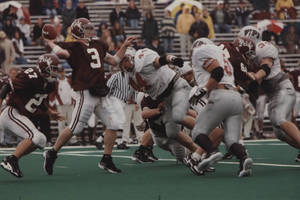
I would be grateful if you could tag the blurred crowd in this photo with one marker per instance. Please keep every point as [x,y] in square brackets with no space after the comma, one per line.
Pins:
[190,23]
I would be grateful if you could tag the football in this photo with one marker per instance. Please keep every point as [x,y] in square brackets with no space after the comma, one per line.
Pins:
[49,32]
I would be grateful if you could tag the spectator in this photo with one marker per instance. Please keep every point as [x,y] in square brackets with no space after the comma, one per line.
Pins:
[285,9]
[49,7]
[59,37]
[155,46]
[221,19]
[207,18]
[117,34]
[37,32]
[229,13]
[132,15]
[9,50]
[292,41]
[68,15]
[194,11]
[102,27]
[19,48]
[117,15]
[9,28]
[185,20]
[36,7]
[11,13]
[146,5]
[179,13]
[82,11]
[25,29]
[261,5]
[150,29]
[168,30]
[199,28]
[242,14]
[63,99]
[140,44]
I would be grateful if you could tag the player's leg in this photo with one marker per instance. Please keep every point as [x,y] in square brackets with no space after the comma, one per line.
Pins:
[144,153]
[231,139]
[137,121]
[84,107]
[111,113]
[128,111]
[13,122]
[179,103]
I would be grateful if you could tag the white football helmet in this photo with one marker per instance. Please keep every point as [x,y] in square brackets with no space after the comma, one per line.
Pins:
[252,33]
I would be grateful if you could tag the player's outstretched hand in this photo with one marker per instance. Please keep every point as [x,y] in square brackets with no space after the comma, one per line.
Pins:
[196,94]
[129,40]
[251,75]
[176,61]
[55,115]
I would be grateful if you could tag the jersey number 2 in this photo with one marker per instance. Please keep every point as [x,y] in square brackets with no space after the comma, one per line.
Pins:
[95,57]
[36,101]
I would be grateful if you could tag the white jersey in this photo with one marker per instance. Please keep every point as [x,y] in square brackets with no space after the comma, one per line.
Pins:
[151,80]
[267,50]
[203,56]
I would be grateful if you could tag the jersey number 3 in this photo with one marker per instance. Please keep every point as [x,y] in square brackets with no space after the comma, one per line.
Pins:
[95,57]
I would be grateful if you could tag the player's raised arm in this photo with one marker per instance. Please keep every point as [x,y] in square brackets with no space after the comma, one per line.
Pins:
[115,60]
[168,59]
[60,52]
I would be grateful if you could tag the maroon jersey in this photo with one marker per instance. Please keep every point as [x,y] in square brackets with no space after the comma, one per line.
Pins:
[295,78]
[86,63]
[29,93]
[240,66]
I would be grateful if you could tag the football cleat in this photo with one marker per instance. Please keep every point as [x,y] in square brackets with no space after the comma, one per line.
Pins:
[298,158]
[122,146]
[228,156]
[192,165]
[49,160]
[150,154]
[210,169]
[245,167]
[141,157]
[207,162]
[10,164]
[107,164]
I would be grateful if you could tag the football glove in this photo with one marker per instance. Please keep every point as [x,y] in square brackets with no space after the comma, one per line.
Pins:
[176,61]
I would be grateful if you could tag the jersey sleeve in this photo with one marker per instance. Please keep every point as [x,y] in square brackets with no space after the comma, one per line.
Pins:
[206,54]
[144,58]
[69,46]
[266,50]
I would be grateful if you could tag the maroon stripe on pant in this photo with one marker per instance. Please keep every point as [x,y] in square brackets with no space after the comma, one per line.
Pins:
[20,123]
[78,111]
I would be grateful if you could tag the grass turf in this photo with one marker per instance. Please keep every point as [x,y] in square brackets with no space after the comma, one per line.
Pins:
[76,176]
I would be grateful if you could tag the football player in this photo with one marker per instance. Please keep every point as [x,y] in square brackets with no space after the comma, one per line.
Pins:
[27,94]
[214,76]
[150,73]
[86,57]
[280,93]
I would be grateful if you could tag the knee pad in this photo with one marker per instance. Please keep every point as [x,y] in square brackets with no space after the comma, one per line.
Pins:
[39,140]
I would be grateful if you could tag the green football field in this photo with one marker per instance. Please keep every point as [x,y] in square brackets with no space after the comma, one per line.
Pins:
[76,176]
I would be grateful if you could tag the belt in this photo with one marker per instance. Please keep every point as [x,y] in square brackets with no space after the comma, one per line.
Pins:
[168,90]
